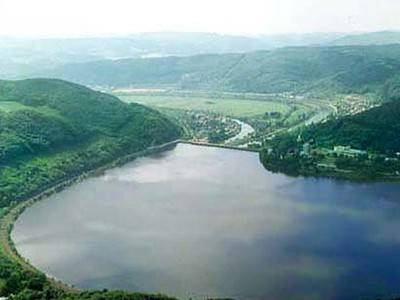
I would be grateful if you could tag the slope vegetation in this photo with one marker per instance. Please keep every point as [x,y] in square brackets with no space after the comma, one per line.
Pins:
[375,130]
[299,69]
[371,137]
[51,130]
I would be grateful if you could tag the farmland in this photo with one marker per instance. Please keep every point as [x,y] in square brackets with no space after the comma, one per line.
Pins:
[266,113]
[226,106]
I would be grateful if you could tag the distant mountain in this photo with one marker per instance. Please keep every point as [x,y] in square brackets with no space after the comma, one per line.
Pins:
[371,38]
[24,58]
[296,69]
[18,56]
[180,43]
[148,44]
[300,40]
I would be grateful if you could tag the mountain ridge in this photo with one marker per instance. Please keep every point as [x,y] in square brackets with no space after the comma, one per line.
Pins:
[294,69]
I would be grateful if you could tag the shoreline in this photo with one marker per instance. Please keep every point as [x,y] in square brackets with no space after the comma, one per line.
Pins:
[13,212]
[350,176]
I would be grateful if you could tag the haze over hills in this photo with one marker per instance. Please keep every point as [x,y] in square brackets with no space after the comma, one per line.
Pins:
[22,57]
[296,69]
[370,38]
[150,44]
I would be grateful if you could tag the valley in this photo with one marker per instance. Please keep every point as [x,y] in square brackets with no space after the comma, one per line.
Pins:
[267,114]
[205,174]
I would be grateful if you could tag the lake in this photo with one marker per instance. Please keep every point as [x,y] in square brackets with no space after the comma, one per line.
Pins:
[206,222]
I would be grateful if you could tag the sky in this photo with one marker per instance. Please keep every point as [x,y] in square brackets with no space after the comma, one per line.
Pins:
[61,18]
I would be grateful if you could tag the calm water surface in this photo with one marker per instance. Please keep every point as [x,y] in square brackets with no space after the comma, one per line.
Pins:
[197,222]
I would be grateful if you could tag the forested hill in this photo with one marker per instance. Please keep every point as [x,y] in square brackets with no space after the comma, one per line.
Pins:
[374,136]
[297,69]
[377,130]
[52,129]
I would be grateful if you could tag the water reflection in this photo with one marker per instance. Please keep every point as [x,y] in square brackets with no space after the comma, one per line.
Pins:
[196,222]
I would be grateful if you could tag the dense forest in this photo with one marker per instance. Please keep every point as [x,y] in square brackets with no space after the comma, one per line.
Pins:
[298,69]
[51,130]
[375,132]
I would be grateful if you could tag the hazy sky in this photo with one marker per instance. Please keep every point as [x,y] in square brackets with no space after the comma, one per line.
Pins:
[99,17]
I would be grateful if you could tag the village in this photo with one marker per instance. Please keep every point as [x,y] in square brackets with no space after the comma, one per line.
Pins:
[331,158]
[210,127]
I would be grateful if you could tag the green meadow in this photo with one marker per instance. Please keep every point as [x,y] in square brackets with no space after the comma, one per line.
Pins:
[10,106]
[225,106]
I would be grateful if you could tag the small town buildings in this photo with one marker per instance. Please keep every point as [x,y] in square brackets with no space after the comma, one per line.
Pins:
[348,151]
[306,151]
[392,159]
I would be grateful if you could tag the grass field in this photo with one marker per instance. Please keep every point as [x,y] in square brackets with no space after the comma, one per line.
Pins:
[9,106]
[225,106]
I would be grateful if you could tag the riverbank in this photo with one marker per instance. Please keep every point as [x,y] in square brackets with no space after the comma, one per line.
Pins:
[11,214]
[245,130]
[8,248]
[157,198]
[298,166]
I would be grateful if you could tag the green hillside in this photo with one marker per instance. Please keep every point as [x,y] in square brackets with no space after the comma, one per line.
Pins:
[372,139]
[298,69]
[375,130]
[52,129]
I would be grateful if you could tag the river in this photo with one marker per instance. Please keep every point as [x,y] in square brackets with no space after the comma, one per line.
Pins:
[245,130]
[207,222]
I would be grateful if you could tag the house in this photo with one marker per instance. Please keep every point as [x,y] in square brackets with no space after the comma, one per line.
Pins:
[306,149]
[348,151]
